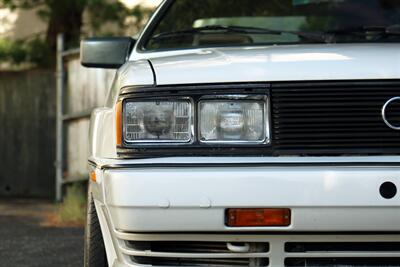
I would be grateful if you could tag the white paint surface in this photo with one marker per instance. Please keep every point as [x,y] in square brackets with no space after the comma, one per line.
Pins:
[276,63]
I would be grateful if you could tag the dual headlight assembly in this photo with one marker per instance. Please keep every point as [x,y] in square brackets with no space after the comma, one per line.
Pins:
[220,120]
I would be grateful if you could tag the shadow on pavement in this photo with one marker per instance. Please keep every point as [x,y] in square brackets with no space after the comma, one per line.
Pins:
[25,242]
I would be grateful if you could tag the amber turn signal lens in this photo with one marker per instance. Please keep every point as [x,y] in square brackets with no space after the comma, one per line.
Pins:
[93,176]
[258,217]
[118,122]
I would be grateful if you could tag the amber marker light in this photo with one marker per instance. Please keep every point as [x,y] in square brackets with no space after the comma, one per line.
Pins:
[258,217]
[93,176]
[118,122]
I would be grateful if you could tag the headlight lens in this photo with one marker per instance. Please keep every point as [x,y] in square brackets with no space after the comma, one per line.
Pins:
[233,121]
[158,121]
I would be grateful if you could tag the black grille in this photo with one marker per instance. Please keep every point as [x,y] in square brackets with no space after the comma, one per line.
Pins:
[346,250]
[335,119]
[326,247]
[340,262]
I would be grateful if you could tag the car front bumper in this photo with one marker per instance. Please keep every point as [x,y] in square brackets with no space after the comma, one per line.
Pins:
[168,200]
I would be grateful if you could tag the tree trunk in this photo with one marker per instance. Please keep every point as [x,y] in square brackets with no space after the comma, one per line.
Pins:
[66,19]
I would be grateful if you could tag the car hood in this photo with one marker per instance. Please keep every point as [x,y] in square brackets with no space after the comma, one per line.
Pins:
[277,63]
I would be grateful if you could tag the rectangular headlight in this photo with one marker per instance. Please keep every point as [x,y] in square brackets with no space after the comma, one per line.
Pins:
[160,121]
[233,121]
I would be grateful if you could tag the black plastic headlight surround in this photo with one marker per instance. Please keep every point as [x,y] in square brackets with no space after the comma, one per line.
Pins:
[182,121]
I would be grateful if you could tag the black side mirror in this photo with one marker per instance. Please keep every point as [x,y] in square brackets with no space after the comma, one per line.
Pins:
[106,53]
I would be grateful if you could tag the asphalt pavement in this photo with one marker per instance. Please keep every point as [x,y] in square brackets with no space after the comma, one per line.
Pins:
[27,241]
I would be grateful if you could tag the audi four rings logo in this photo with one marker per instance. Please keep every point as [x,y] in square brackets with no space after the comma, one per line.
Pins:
[384,117]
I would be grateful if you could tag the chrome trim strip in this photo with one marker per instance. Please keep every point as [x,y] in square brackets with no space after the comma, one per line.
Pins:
[397,128]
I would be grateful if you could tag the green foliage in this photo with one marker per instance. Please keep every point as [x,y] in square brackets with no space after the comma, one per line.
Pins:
[66,16]
[101,11]
[61,10]
[20,3]
[12,51]
[34,51]
[72,209]
[140,14]
[38,52]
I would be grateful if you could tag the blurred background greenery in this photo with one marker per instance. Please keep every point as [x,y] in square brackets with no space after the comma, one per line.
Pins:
[29,28]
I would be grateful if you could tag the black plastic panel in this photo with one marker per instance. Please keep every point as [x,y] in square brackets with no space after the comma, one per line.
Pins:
[107,53]
[334,119]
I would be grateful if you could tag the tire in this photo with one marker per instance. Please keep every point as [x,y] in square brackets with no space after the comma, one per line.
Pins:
[94,249]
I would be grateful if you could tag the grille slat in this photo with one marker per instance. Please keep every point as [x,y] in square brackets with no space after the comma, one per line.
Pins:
[325,115]
[343,125]
[300,93]
[352,254]
[326,119]
[298,247]
[193,262]
[319,119]
[340,262]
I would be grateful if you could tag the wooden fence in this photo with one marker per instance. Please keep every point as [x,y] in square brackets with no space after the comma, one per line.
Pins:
[85,90]
[79,90]
[27,134]
[44,126]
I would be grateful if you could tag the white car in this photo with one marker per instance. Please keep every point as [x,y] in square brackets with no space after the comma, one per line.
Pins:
[249,133]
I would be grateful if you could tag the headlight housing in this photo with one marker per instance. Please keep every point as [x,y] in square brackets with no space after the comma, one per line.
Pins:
[160,121]
[233,121]
[198,121]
